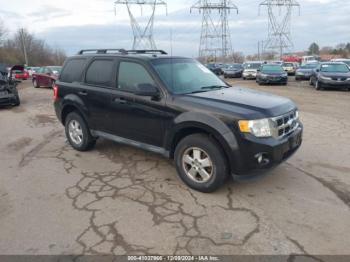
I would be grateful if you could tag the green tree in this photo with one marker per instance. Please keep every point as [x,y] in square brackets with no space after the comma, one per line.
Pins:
[314,49]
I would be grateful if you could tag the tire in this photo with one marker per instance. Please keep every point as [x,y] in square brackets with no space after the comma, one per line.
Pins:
[53,82]
[318,86]
[244,78]
[204,148]
[18,101]
[78,133]
[311,83]
[35,83]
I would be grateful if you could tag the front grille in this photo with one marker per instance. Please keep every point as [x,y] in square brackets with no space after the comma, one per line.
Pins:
[285,124]
[339,78]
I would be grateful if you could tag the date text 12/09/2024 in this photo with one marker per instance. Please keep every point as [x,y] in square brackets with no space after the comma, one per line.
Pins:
[173,258]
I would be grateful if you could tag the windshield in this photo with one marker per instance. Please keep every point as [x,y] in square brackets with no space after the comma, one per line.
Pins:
[185,75]
[272,69]
[288,65]
[309,66]
[55,69]
[335,68]
[252,66]
[234,67]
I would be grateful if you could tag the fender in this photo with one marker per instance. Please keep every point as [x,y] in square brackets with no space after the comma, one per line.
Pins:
[210,124]
[77,102]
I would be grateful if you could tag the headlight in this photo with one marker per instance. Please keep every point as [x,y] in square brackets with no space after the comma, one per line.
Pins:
[258,128]
[285,75]
[325,78]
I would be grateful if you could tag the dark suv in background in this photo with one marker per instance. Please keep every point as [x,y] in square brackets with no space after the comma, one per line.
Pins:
[176,107]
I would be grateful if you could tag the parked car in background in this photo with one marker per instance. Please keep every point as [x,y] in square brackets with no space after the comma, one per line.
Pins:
[31,70]
[8,86]
[215,68]
[290,68]
[305,71]
[234,70]
[310,59]
[251,69]
[342,60]
[46,76]
[176,107]
[271,74]
[20,73]
[331,75]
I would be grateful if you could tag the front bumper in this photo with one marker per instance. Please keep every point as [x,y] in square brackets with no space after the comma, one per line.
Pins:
[233,74]
[249,75]
[273,152]
[9,99]
[280,80]
[334,83]
[299,76]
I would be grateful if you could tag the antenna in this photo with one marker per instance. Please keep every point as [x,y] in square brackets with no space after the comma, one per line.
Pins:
[143,37]
[279,28]
[215,36]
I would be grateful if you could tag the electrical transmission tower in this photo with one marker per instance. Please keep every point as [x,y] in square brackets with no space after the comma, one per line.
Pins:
[143,36]
[279,28]
[215,36]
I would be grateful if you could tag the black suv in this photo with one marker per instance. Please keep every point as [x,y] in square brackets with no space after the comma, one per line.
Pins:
[176,107]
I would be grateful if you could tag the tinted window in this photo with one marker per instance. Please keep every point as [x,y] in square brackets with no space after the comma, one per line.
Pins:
[73,70]
[335,68]
[272,69]
[131,75]
[100,72]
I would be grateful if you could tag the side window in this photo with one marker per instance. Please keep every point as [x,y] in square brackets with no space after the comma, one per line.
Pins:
[73,70]
[131,75]
[41,70]
[100,72]
[47,70]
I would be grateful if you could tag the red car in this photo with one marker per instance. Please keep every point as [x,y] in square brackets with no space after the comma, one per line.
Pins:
[46,76]
[21,75]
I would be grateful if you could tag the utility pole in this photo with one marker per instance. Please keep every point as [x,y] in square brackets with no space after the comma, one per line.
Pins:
[279,27]
[143,37]
[24,46]
[215,35]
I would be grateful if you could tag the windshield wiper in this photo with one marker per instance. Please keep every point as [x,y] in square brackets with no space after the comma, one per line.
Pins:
[208,88]
[213,87]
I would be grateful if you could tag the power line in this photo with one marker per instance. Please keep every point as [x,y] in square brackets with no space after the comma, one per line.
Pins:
[279,28]
[215,38]
[143,37]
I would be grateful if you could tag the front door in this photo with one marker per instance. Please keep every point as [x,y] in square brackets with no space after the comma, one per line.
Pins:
[135,117]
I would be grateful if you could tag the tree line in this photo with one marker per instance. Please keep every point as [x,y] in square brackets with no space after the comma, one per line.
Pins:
[342,50]
[25,47]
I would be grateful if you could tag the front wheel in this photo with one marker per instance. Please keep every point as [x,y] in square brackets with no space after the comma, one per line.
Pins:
[318,85]
[35,83]
[200,163]
[78,133]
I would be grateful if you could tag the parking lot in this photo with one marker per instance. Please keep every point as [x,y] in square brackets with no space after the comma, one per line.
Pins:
[120,200]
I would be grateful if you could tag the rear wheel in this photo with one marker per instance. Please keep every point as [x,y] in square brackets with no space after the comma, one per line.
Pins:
[78,133]
[200,163]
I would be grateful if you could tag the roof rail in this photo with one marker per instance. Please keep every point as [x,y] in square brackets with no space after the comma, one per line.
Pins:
[146,52]
[103,51]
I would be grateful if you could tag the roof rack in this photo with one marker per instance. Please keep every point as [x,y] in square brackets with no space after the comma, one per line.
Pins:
[146,52]
[103,51]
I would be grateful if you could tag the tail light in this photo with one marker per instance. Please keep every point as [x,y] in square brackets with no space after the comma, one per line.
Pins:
[55,93]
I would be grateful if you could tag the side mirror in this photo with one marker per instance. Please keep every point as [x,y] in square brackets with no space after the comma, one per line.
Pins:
[317,70]
[49,74]
[147,90]
[258,70]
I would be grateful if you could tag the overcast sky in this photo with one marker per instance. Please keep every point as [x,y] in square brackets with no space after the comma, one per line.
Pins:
[77,24]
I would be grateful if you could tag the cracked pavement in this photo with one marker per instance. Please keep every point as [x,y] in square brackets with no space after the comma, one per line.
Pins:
[121,200]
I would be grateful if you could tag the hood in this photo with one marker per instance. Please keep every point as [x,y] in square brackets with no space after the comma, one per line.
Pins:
[341,75]
[240,102]
[305,70]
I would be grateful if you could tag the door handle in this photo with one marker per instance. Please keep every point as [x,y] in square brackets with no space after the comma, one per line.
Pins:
[120,100]
[83,93]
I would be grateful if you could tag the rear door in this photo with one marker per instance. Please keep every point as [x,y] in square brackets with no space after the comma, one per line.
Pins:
[99,82]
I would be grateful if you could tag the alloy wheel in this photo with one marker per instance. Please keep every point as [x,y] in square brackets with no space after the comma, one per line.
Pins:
[75,132]
[197,165]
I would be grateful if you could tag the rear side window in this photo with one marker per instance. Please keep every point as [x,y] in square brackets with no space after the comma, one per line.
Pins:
[100,72]
[73,70]
[131,75]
